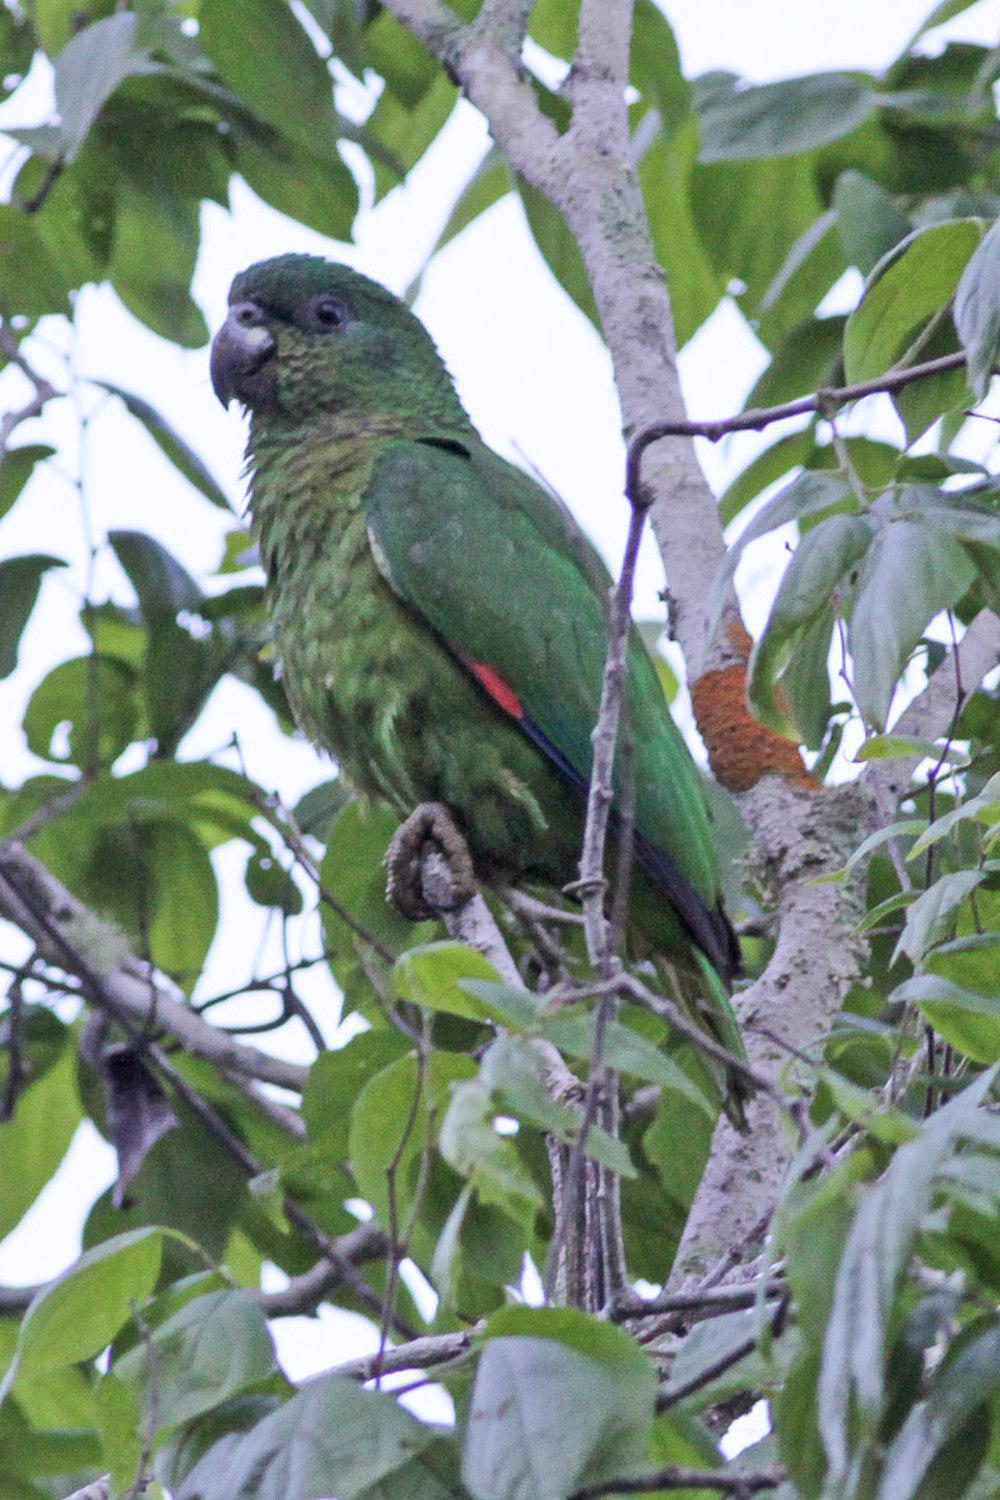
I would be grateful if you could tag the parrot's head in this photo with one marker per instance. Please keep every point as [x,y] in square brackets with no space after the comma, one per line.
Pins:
[305,336]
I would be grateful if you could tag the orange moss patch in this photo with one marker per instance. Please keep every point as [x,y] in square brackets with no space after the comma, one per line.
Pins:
[740,750]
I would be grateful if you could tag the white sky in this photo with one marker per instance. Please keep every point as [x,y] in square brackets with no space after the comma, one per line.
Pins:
[535,379]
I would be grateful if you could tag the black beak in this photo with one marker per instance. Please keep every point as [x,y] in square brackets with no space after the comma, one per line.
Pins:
[240,350]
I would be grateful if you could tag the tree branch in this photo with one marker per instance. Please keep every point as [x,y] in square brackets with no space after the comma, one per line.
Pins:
[304,1293]
[88,944]
[417,1354]
[757,418]
[685,1479]
[34,407]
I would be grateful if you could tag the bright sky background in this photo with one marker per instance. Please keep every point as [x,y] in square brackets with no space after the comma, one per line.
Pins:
[535,379]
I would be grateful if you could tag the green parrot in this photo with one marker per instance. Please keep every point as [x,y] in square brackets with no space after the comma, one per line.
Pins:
[441,619]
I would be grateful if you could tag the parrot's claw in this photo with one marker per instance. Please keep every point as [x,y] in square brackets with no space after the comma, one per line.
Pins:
[429,866]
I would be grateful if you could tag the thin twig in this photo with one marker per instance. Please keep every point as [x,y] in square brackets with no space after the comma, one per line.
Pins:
[672,1478]
[758,418]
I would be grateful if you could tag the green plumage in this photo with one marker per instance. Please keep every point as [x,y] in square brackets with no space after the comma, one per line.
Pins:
[399,550]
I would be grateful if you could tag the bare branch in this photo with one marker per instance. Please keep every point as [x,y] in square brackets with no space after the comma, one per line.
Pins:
[34,407]
[86,944]
[304,1293]
[718,1480]
[755,420]
[418,1354]
[719,1299]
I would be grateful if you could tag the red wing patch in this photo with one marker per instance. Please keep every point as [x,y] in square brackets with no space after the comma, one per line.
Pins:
[502,693]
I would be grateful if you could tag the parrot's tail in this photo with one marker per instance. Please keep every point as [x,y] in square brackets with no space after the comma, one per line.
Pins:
[697,988]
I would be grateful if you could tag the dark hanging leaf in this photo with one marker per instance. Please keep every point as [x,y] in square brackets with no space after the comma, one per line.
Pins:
[977,311]
[780,119]
[20,580]
[139,1112]
[16,469]
[316,807]
[558,247]
[317,189]
[870,224]
[163,585]
[807,360]
[169,442]
[811,267]
[396,136]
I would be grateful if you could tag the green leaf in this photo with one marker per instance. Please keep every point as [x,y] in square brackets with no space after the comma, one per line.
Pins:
[968,1022]
[95,697]
[169,442]
[819,564]
[269,884]
[932,914]
[972,962]
[153,258]
[964,1384]
[811,493]
[665,180]
[984,808]
[88,71]
[335,1080]
[910,574]
[432,975]
[806,360]
[212,1348]
[852,1377]
[117,1416]
[977,311]
[31,281]
[560,1400]
[20,581]
[490,182]
[780,119]
[16,468]
[911,284]
[332,1438]
[78,1314]
[471,1145]
[787,453]
[35,1141]
[558,248]
[163,585]
[379,1121]
[263,53]
[316,189]
[870,223]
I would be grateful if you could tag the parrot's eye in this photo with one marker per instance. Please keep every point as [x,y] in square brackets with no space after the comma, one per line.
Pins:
[325,312]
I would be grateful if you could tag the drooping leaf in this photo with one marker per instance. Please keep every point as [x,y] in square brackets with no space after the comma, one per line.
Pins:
[909,575]
[560,1400]
[332,1438]
[977,311]
[819,564]
[869,221]
[88,70]
[169,442]
[780,119]
[20,581]
[16,468]
[967,1021]
[209,1350]
[75,1316]
[911,284]
[263,53]
[34,1142]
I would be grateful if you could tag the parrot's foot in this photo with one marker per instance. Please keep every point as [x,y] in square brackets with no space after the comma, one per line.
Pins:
[429,866]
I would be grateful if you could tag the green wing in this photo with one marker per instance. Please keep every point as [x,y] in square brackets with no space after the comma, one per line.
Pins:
[502,574]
